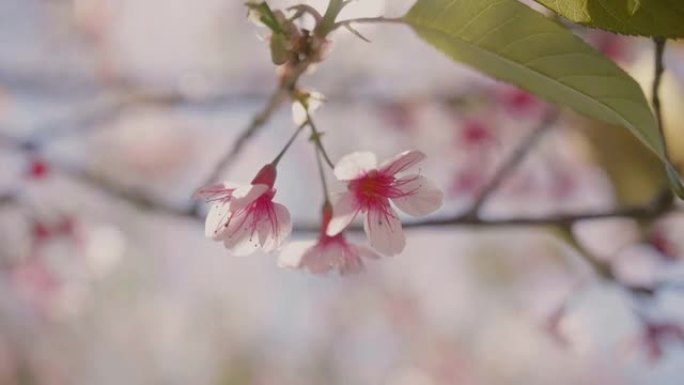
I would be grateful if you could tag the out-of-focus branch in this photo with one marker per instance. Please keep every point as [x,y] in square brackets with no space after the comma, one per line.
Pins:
[652,210]
[649,211]
[260,119]
[139,199]
[509,166]
[7,198]
[286,88]
[126,99]
[655,90]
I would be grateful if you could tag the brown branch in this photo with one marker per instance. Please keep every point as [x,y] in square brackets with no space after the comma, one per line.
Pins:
[514,160]
[653,210]
[7,198]
[139,199]
[659,69]
[260,119]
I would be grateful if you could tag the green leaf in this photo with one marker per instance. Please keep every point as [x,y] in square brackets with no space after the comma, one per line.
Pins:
[509,41]
[263,13]
[675,180]
[633,6]
[662,18]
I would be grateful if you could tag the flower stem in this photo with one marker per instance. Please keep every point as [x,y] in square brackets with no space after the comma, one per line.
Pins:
[367,20]
[288,144]
[321,173]
[316,138]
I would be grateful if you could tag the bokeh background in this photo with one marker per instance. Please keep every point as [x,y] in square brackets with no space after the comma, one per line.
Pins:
[106,101]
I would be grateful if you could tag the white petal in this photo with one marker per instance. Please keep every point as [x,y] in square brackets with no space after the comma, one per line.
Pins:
[245,246]
[354,165]
[221,212]
[238,236]
[314,102]
[384,231]
[365,252]
[281,228]
[292,254]
[214,190]
[345,210]
[250,192]
[422,196]
[402,162]
[214,225]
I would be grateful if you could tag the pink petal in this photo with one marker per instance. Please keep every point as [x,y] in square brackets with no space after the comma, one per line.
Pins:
[292,254]
[365,252]
[355,165]
[402,162]
[383,228]
[212,191]
[250,192]
[319,260]
[238,236]
[421,197]
[280,226]
[218,215]
[347,259]
[221,212]
[345,210]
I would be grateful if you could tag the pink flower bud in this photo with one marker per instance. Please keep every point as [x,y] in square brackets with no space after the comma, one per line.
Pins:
[266,176]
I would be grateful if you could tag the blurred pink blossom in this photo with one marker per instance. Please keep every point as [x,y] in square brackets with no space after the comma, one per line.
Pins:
[326,254]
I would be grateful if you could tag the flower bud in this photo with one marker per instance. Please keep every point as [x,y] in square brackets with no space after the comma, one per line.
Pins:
[266,176]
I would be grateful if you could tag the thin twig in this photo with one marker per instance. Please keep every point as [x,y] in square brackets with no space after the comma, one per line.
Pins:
[321,173]
[288,144]
[316,138]
[370,20]
[659,69]
[274,102]
[286,88]
[514,160]
[601,268]
[139,199]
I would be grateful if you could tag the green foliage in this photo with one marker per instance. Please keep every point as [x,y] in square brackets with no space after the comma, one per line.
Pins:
[263,13]
[662,18]
[635,172]
[509,41]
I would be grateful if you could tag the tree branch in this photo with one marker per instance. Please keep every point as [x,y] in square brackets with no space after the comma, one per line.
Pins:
[260,119]
[659,69]
[514,160]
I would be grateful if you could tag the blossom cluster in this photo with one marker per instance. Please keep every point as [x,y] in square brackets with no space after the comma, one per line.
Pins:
[246,218]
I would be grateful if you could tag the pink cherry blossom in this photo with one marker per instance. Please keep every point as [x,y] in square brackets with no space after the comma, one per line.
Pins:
[244,217]
[371,188]
[329,253]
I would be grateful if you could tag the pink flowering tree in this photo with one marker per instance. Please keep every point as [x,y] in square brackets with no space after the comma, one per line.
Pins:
[556,66]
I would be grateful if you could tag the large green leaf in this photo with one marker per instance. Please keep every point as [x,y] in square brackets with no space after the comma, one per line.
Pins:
[510,41]
[664,18]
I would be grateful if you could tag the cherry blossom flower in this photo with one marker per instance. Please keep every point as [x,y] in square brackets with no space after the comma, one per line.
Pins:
[654,339]
[38,169]
[329,253]
[244,217]
[371,188]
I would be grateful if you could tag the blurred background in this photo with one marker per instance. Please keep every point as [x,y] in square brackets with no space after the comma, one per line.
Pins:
[113,112]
